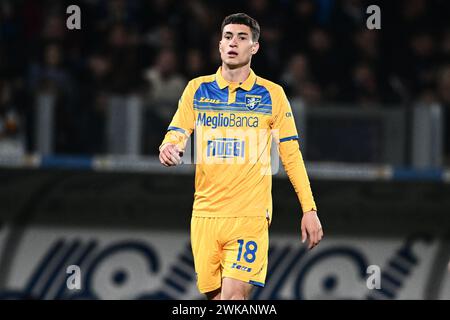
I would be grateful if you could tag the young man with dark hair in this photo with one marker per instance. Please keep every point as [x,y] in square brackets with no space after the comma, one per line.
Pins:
[235,115]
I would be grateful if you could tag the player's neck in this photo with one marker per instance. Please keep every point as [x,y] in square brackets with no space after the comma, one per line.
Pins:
[235,75]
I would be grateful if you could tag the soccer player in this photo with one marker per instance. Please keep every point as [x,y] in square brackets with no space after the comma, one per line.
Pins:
[235,115]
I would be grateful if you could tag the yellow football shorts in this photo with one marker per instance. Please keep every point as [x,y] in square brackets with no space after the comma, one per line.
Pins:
[229,247]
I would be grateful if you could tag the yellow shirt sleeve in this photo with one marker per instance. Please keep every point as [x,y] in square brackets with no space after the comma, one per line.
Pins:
[295,168]
[183,122]
[285,134]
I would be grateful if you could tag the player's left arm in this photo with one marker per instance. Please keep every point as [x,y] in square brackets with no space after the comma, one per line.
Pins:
[285,133]
[294,166]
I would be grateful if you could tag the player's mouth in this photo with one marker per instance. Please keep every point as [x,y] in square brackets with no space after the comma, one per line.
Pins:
[232,54]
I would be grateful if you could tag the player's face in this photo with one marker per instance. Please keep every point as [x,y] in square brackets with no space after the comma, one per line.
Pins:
[237,47]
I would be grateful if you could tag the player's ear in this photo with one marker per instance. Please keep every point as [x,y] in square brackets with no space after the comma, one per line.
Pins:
[255,47]
[220,46]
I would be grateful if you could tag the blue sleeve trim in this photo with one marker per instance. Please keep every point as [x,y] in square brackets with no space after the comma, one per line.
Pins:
[289,138]
[259,284]
[176,129]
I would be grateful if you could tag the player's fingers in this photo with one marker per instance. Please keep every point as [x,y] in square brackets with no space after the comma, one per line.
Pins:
[175,155]
[320,234]
[310,240]
[169,155]
[314,239]
[304,234]
[167,159]
[172,159]
[311,243]
[161,160]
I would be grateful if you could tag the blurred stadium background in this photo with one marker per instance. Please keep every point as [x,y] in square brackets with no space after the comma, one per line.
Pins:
[82,113]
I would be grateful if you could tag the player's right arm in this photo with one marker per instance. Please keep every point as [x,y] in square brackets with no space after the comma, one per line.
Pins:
[179,130]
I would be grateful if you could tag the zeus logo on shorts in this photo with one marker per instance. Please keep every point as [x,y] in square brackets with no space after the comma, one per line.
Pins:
[240,267]
[225,148]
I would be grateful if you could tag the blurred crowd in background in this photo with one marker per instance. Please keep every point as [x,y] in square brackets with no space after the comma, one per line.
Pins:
[320,51]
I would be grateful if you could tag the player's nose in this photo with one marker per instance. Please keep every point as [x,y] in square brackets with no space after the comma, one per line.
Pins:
[233,43]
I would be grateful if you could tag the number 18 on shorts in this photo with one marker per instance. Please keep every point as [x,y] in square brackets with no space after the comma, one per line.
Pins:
[229,247]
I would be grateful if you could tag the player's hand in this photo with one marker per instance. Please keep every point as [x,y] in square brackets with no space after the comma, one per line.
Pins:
[170,155]
[311,228]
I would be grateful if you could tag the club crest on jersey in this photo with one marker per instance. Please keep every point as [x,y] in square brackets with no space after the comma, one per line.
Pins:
[252,101]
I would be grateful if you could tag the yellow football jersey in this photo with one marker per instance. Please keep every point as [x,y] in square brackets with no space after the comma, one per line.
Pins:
[233,125]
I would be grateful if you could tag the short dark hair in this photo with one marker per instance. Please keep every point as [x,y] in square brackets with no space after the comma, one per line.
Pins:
[242,18]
